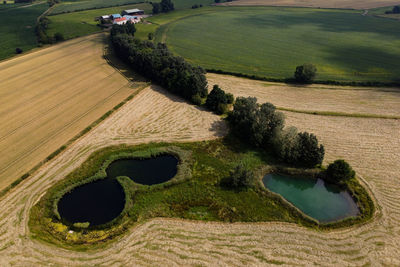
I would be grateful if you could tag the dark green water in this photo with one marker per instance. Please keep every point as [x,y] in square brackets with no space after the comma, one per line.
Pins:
[101,201]
[324,202]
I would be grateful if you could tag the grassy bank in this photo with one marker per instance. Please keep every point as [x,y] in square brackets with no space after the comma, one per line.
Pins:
[196,194]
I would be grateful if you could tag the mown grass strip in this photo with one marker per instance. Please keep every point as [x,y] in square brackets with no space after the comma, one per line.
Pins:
[341,114]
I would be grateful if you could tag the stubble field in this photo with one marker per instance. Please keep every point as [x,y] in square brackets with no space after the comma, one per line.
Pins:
[370,145]
[49,96]
[339,100]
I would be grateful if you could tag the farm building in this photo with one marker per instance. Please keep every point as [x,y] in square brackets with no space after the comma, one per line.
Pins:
[132,12]
[120,21]
[115,16]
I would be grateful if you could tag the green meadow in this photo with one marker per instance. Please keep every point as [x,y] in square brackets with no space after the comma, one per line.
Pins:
[271,42]
[17,28]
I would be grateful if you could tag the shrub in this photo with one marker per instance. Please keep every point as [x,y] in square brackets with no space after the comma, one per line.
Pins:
[217,100]
[58,37]
[18,50]
[339,171]
[196,99]
[150,36]
[305,73]
[156,8]
[230,98]
[310,152]
[241,177]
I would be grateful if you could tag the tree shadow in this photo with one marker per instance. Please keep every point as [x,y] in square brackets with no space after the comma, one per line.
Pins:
[333,21]
[362,60]
[120,65]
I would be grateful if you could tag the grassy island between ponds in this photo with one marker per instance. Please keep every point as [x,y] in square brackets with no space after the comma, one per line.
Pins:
[196,192]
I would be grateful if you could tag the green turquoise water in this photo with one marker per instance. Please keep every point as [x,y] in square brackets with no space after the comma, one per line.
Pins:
[324,202]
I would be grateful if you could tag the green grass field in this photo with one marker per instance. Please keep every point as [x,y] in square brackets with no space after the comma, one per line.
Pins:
[80,23]
[72,6]
[17,29]
[271,42]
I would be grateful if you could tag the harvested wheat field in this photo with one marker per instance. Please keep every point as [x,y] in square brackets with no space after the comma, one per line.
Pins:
[49,96]
[359,101]
[359,4]
[155,115]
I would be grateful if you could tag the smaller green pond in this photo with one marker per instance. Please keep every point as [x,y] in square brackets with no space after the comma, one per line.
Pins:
[324,202]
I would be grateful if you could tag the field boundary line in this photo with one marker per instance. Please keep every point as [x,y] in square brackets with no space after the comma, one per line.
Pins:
[341,114]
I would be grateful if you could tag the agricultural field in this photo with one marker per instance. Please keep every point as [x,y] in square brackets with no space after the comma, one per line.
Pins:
[320,99]
[16,32]
[345,4]
[73,6]
[81,23]
[49,96]
[271,42]
[155,115]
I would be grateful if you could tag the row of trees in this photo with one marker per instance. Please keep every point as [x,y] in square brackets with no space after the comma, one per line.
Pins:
[395,10]
[42,36]
[157,63]
[164,6]
[263,127]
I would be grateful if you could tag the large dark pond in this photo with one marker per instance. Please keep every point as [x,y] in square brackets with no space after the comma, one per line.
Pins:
[101,201]
[145,171]
[324,202]
[97,202]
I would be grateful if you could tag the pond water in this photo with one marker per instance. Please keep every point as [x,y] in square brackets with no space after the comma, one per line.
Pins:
[145,171]
[103,200]
[97,202]
[324,202]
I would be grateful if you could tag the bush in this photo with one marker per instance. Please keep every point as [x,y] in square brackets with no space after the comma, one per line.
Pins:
[241,177]
[305,73]
[150,36]
[339,171]
[196,99]
[310,152]
[18,50]
[58,37]
[217,100]
[230,98]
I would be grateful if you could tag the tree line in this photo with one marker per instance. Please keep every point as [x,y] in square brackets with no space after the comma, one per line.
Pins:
[261,126]
[157,63]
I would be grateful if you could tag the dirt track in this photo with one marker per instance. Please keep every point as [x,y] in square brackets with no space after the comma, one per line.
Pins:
[371,145]
[358,4]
